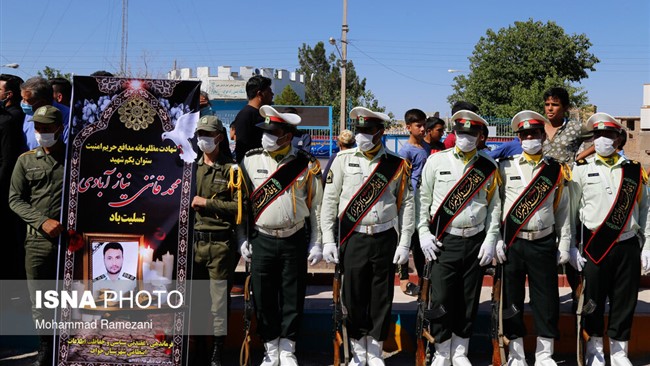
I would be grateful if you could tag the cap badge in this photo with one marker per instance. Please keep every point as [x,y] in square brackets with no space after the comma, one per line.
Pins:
[362,120]
[204,121]
[267,120]
[42,111]
[601,125]
[468,124]
[526,124]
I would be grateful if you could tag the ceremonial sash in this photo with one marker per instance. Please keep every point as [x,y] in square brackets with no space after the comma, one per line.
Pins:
[461,194]
[277,183]
[368,195]
[618,216]
[531,199]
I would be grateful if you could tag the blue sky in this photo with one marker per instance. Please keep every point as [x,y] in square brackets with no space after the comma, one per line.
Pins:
[403,48]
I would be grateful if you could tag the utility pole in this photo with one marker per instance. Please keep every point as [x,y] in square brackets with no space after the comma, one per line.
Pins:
[344,61]
[125,37]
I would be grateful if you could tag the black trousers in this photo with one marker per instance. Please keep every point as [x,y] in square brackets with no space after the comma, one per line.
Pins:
[538,260]
[456,284]
[279,277]
[616,277]
[368,283]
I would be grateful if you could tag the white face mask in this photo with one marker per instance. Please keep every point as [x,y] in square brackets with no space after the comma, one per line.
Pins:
[46,139]
[270,142]
[531,146]
[206,144]
[466,142]
[604,146]
[364,141]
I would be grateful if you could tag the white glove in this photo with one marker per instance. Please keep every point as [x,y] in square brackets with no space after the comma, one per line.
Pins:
[501,251]
[315,253]
[246,251]
[563,256]
[430,246]
[331,253]
[485,254]
[401,255]
[576,260]
[645,260]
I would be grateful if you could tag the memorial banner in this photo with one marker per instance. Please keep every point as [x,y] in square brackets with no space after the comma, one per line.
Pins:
[127,209]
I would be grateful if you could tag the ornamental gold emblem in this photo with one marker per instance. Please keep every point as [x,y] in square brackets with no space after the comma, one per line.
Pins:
[136,114]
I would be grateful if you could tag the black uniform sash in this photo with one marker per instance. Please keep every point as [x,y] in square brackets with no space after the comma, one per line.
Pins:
[531,199]
[461,194]
[619,215]
[368,194]
[277,183]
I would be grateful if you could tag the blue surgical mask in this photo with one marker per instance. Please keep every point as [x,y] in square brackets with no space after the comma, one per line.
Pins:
[27,109]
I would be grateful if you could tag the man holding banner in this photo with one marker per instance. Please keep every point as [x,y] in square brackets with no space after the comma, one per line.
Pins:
[35,196]
[536,213]
[458,224]
[216,209]
[284,190]
[369,190]
[609,193]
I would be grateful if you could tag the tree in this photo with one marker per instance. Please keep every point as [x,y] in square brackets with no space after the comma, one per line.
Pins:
[49,73]
[287,97]
[323,85]
[511,68]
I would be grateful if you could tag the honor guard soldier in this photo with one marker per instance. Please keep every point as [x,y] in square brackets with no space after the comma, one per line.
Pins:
[609,193]
[35,196]
[458,225]
[285,189]
[216,207]
[535,215]
[368,201]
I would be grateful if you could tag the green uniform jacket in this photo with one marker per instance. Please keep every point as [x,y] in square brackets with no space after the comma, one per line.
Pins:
[221,207]
[36,188]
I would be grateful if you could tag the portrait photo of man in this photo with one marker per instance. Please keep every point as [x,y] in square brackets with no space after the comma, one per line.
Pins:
[114,266]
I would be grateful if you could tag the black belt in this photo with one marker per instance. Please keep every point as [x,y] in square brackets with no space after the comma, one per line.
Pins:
[222,235]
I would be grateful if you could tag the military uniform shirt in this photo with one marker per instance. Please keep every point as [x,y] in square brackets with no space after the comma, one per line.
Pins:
[513,186]
[592,199]
[349,171]
[440,174]
[221,206]
[259,166]
[36,183]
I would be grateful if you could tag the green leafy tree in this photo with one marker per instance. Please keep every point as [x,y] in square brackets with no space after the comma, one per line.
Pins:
[49,73]
[323,81]
[511,68]
[287,97]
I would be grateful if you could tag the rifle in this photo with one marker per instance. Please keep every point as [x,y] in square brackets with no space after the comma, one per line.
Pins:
[244,353]
[496,328]
[424,317]
[582,308]
[339,316]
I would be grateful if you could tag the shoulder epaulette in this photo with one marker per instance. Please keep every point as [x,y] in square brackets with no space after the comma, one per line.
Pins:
[33,151]
[128,276]
[254,151]
[100,277]
[506,158]
[581,162]
[311,157]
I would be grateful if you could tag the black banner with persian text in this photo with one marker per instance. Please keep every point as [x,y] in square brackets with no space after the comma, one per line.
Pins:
[127,209]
